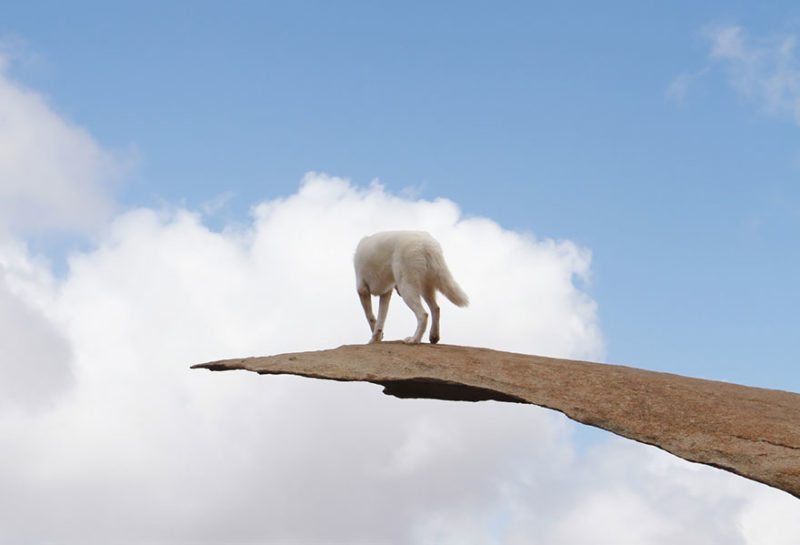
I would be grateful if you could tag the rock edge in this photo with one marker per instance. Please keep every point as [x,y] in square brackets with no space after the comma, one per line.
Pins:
[752,432]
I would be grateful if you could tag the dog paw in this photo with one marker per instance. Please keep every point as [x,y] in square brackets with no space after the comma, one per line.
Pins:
[376,337]
[411,340]
[434,339]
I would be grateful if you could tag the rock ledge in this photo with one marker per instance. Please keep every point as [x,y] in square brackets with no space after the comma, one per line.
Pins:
[752,432]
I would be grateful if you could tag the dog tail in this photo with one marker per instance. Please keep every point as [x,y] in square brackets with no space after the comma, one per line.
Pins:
[449,287]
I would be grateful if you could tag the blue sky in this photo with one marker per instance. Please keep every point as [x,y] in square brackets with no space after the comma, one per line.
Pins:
[550,118]
[662,137]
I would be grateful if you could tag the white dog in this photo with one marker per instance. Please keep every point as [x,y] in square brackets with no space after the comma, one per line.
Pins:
[411,262]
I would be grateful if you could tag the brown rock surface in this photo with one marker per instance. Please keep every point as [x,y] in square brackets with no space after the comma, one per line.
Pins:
[752,432]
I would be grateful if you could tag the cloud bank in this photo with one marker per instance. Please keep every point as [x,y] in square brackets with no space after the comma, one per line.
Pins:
[53,174]
[107,437]
[141,449]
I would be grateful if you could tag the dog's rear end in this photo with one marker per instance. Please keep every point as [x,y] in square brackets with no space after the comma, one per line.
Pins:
[411,262]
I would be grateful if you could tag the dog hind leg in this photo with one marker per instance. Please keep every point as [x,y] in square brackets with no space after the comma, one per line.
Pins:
[383,310]
[430,299]
[411,296]
[366,302]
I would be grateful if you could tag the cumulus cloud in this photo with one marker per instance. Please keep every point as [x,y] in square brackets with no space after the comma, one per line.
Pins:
[124,444]
[53,175]
[144,450]
[34,354]
[236,458]
[763,70]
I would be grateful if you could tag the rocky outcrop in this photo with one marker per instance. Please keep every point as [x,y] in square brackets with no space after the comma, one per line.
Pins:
[752,432]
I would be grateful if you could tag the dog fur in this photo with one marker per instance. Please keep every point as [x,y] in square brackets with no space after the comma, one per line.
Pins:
[412,263]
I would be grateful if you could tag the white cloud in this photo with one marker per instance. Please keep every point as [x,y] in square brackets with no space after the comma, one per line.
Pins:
[678,88]
[144,450]
[234,456]
[34,354]
[123,443]
[764,70]
[53,175]
[623,492]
